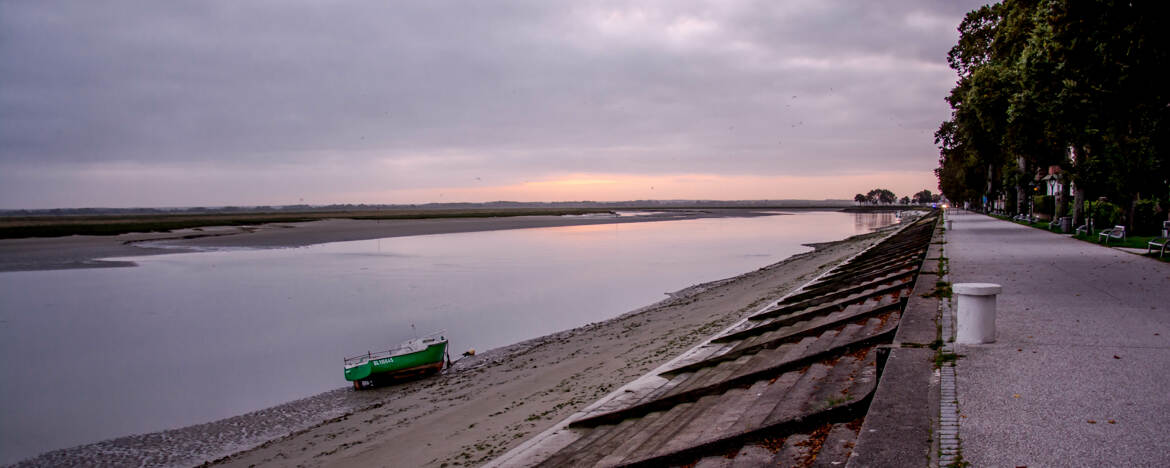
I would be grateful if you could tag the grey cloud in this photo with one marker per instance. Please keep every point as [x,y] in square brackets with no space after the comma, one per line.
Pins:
[514,85]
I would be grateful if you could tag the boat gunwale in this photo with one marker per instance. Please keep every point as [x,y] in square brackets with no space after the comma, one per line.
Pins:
[351,362]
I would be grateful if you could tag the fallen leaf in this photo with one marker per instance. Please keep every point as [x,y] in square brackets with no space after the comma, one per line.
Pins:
[1116,356]
[1015,395]
[1092,421]
[1112,421]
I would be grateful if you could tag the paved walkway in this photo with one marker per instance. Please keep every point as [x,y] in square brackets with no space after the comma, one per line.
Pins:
[1080,372]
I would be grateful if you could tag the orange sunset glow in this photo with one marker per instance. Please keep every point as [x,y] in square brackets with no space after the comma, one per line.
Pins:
[616,187]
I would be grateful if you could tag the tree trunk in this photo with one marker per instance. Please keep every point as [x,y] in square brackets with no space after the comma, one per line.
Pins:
[1021,191]
[988,193]
[1079,193]
[1129,225]
[1079,207]
[1060,197]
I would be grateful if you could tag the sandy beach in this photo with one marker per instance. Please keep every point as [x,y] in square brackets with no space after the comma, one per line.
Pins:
[480,407]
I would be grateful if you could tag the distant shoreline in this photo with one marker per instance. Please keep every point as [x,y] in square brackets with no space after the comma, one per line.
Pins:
[87,251]
[18,224]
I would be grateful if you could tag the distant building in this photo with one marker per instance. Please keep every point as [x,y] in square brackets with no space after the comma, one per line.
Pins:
[1054,181]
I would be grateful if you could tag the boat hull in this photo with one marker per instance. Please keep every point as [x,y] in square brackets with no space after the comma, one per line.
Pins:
[419,362]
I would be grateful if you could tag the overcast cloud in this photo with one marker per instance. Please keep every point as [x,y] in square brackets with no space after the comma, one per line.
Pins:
[253,102]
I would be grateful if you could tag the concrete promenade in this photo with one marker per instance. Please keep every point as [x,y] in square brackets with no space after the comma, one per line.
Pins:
[1080,372]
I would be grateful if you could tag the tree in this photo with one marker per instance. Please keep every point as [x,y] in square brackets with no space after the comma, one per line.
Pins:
[923,197]
[886,196]
[971,157]
[879,195]
[1101,65]
[1040,80]
[859,198]
[905,200]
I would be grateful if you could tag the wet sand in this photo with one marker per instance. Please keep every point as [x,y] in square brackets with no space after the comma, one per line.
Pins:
[52,253]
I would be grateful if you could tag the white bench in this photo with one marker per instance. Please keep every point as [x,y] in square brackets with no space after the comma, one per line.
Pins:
[1086,229]
[1160,242]
[1118,232]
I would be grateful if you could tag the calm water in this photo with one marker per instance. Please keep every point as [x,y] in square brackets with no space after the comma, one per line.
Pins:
[87,355]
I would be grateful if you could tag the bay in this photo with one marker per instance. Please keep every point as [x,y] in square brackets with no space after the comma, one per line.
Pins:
[87,355]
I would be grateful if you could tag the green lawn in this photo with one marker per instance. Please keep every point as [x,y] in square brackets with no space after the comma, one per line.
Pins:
[1038,225]
[1137,242]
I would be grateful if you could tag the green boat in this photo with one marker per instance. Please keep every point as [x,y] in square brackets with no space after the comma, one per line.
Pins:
[413,358]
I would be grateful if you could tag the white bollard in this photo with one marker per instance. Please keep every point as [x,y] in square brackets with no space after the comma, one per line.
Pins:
[950,224]
[976,303]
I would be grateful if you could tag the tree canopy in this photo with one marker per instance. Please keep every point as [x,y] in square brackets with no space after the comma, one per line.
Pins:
[924,197]
[1072,84]
[880,195]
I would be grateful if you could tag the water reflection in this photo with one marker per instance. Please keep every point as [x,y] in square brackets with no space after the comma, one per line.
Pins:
[189,338]
[864,222]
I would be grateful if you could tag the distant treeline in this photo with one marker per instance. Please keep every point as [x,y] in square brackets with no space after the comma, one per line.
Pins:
[886,197]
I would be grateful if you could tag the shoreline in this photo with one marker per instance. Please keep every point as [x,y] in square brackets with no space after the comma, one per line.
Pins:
[483,405]
[78,252]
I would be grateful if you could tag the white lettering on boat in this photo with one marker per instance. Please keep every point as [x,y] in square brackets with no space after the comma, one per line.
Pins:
[383,361]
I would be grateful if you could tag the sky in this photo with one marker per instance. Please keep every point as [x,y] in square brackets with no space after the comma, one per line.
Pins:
[211,103]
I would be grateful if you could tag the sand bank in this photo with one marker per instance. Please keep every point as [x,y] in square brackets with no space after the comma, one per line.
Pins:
[54,253]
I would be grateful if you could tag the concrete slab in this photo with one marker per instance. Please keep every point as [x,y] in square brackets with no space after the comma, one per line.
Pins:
[1078,373]
[934,251]
[919,321]
[897,429]
[1056,405]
